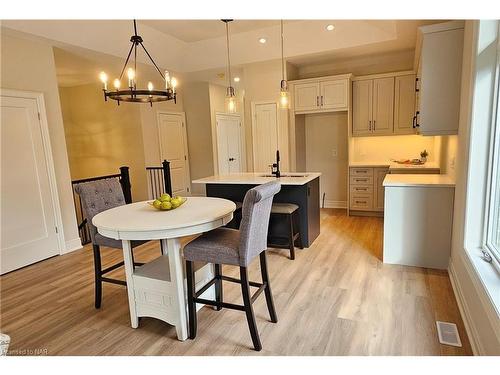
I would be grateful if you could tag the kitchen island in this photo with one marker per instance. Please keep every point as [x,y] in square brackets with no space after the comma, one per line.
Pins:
[301,189]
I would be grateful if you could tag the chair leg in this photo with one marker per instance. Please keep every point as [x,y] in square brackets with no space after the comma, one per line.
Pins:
[252,325]
[191,304]
[267,291]
[297,215]
[218,285]
[290,238]
[98,276]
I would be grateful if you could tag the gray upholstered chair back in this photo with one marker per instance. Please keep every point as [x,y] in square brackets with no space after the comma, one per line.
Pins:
[255,220]
[97,196]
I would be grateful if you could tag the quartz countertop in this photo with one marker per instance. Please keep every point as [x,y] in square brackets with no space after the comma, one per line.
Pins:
[393,165]
[249,178]
[418,180]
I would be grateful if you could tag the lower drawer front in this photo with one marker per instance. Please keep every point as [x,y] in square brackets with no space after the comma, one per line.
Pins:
[361,190]
[358,180]
[360,202]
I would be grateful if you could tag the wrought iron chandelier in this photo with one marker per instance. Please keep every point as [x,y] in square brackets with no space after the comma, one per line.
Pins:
[132,94]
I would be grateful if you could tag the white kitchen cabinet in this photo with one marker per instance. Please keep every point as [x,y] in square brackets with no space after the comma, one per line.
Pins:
[334,94]
[378,195]
[307,96]
[383,106]
[327,94]
[362,107]
[440,80]
[373,106]
[404,104]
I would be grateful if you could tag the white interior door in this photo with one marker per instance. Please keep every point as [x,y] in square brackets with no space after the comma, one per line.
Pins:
[229,150]
[28,220]
[265,136]
[173,147]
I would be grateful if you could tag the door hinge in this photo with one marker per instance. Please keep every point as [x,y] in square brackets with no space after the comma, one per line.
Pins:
[39,117]
[57,230]
[185,157]
[188,190]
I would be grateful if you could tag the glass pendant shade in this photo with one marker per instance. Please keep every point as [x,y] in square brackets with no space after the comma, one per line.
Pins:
[284,102]
[230,100]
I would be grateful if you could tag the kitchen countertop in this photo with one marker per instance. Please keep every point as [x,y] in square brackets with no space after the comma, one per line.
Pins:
[418,180]
[392,165]
[250,178]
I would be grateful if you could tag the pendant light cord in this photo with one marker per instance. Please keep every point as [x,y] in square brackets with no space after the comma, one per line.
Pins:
[228,58]
[282,56]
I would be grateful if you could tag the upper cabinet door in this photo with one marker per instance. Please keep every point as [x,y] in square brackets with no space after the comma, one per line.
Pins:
[441,63]
[383,106]
[362,107]
[334,94]
[307,96]
[404,104]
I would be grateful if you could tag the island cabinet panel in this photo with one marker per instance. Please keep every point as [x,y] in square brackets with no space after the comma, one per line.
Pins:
[306,196]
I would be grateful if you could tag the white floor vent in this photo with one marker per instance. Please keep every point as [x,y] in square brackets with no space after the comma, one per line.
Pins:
[448,334]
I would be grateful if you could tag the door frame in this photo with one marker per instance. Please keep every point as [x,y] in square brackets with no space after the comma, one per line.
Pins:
[186,149]
[49,160]
[259,102]
[243,158]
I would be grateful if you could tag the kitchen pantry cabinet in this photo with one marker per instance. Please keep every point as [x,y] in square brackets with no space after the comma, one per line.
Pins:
[440,64]
[373,106]
[321,95]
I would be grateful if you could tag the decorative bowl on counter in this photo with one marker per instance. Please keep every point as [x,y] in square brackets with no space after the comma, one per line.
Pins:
[166,203]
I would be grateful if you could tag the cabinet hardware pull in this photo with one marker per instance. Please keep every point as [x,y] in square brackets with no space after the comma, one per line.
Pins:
[361,171]
[374,124]
[413,122]
[416,85]
[317,101]
[322,100]
[360,201]
[417,125]
[370,125]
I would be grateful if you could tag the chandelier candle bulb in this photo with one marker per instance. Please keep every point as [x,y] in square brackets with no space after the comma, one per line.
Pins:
[131,77]
[117,84]
[167,80]
[104,79]
[150,86]
[174,84]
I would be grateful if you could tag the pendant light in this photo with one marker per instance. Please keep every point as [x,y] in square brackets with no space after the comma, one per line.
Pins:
[284,83]
[230,93]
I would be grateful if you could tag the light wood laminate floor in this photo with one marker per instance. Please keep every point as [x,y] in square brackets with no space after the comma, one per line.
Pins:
[336,298]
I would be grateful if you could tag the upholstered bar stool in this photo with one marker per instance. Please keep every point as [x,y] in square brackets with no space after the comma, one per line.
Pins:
[97,196]
[237,248]
[290,212]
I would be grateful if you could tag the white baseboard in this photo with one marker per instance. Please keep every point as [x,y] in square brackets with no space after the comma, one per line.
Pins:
[464,310]
[73,245]
[334,204]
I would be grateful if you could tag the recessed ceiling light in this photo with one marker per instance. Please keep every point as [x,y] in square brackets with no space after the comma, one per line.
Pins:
[330,27]
[236,79]
[262,40]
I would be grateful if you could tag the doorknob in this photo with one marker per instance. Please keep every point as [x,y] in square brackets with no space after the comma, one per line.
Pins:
[231,159]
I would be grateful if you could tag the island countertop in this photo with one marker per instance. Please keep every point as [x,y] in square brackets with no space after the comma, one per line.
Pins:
[253,178]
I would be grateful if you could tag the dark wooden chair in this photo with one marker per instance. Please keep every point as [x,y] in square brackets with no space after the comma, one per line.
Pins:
[290,212]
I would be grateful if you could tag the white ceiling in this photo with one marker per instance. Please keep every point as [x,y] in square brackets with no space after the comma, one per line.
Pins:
[188,46]
[196,30]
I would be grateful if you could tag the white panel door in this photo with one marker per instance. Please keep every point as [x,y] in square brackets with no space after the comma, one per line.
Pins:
[306,96]
[28,222]
[265,136]
[173,148]
[229,144]
[334,94]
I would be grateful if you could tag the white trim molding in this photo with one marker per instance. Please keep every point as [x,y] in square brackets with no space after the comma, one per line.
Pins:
[73,245]
[333,204]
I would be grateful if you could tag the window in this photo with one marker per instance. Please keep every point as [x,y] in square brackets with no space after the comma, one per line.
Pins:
[492,243]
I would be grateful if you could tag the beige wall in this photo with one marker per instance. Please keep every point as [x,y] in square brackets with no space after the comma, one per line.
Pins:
[324,133]
[102,136]
[29,65]
[262,83]
[449,145]
[199,133]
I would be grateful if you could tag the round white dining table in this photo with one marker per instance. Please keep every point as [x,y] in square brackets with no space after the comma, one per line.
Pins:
[140,221]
